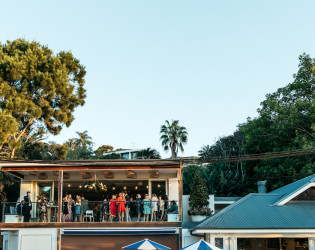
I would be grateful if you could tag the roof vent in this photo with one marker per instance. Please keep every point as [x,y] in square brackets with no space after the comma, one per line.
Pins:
[262,186]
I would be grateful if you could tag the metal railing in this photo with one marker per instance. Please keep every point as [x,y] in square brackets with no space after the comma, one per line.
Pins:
[90,211]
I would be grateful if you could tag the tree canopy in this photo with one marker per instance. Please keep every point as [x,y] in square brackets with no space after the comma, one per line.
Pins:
[39,90]
[285,121]
[148,153]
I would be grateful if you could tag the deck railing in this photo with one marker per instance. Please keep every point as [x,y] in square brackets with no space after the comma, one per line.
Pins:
[90,211]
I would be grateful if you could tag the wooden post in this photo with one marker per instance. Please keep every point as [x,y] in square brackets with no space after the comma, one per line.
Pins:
[60,190]
[60,187]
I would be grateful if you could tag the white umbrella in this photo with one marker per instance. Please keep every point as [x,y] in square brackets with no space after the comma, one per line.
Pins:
[146,244]
[201,245]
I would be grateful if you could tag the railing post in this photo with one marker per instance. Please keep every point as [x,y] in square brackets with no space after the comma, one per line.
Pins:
[60,187]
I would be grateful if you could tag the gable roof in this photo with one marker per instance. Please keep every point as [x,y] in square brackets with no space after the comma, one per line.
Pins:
[258,211]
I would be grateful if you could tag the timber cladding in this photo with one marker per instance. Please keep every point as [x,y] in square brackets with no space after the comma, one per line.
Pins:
[100,242]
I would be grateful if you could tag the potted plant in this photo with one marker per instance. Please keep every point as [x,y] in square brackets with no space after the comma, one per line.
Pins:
[199,199]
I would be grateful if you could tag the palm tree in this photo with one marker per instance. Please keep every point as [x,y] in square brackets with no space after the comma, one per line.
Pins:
[84,139]
[148,153]
[173,137]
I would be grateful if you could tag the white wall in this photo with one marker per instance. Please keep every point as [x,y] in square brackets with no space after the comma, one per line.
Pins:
[186,207]
[173,189]
[30,239]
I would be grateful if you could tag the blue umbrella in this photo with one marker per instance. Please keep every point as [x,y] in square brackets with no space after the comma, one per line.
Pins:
[201,245]
[146,244]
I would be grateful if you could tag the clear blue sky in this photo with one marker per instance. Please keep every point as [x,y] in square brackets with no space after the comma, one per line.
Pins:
[207,63]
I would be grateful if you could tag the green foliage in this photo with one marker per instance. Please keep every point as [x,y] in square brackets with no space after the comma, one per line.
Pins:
[189,173]
[199,196]
[38,89]
[228,178]
[103,150]
[173,137]
[84,140]
[285,122]
[148,153]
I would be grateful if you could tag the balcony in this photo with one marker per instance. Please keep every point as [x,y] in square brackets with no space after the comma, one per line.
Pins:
[90,214]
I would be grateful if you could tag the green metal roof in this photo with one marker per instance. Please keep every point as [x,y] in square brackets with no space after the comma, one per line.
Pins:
[257,211]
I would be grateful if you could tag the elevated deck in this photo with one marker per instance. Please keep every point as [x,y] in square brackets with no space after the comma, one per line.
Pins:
[12,226]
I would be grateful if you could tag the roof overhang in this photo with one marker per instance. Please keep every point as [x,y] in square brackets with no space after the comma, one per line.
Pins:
[254,231]
[292,195]
[88,165]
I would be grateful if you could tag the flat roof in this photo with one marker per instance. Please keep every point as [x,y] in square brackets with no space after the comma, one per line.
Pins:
[23,165]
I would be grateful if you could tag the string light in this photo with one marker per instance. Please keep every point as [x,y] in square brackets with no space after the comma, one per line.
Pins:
[125,188]
[69,185]
[136,187]
[80,186]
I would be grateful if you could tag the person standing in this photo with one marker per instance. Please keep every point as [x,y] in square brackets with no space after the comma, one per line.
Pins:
[161,208]
[127,197]
[77,209]
[154,207]
[43,208]
[28,204]
[3,199]
[146,208]
[121,206]
[138,207]
[65,207]
[112,207]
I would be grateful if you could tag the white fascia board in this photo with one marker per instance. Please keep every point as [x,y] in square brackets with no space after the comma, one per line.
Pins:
[254,231]
[289,197]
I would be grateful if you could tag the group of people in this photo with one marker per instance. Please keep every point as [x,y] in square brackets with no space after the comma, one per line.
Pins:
[73,210]
[155,209]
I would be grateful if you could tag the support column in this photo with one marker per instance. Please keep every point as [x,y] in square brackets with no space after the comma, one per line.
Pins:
[180,190]
[233,243]
[311,243]
[60,190]
[60,187]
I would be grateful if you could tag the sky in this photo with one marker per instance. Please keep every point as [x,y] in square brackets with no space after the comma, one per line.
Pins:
[206,63]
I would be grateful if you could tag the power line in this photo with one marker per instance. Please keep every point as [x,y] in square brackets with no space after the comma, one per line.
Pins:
[253,157]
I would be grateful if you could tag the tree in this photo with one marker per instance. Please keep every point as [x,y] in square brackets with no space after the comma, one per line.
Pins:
[173,137]
[84,140]
[148,153]
[286,121]
[38,89]
[104,150]
[8,126]
[199,197]
[226,178]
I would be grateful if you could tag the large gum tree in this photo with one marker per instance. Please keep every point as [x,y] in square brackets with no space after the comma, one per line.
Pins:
[39,90]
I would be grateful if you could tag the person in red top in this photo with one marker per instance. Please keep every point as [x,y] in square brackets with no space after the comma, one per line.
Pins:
[121,206]
[112,207]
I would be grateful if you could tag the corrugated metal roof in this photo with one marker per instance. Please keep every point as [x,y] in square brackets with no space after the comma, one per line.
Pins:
[256,211]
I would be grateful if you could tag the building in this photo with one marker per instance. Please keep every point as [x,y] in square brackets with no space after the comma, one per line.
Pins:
[128,154]
[282,219]
[56,178]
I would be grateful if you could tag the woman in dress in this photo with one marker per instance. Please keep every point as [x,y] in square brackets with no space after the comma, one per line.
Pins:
[77,208]
[69,217]
[112,207]
[154,207]
[161,208]
[138,207]
[65,207]
[146,208]
[121,206]
[43,208]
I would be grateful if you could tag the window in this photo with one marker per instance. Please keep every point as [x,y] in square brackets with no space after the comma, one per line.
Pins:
[219,242]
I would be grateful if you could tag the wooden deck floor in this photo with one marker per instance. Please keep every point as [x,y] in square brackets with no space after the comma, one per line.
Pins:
[89,225]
